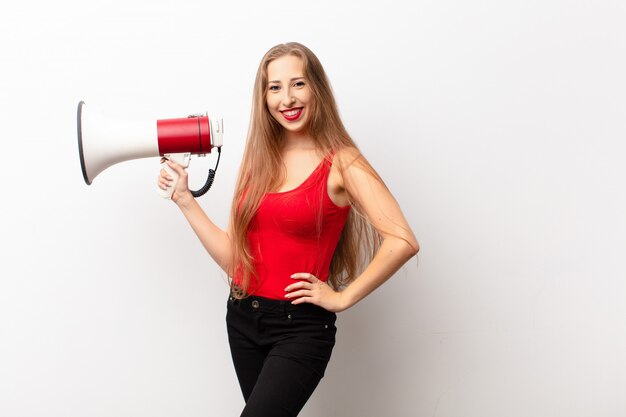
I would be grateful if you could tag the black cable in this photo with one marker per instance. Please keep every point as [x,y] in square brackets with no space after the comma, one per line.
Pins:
[209,181]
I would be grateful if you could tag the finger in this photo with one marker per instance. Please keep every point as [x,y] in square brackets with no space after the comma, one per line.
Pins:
[298,294]
[302,300]
[164,181]
[299,285]
[163,174]
[304,275]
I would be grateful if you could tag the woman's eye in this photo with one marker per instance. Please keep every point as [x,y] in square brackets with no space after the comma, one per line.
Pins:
[299,84]
[274,88]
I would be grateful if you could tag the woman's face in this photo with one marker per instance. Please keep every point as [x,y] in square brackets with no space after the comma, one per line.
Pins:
[289,97]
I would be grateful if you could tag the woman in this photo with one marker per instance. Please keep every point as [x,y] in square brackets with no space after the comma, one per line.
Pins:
[308,212]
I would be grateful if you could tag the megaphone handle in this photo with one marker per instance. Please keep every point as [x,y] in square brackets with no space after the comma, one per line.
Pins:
[183,160]
[167,193]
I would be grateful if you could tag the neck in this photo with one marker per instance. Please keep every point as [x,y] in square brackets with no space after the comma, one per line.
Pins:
[298,140]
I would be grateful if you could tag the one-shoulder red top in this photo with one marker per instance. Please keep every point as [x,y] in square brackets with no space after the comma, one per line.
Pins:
[294,231]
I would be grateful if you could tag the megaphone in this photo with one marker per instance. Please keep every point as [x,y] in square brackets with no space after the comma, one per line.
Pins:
[103,142]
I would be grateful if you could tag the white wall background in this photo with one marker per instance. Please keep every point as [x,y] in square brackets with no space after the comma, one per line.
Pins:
[498,125]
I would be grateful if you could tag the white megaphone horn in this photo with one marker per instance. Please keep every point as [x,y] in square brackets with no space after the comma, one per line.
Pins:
[103,142]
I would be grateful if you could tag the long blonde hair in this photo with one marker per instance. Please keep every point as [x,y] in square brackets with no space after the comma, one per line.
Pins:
[262,170]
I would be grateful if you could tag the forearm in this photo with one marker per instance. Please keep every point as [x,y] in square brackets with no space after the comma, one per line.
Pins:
[215,240]
[392,254]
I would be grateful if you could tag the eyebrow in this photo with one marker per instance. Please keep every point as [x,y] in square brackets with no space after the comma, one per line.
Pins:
[293,79]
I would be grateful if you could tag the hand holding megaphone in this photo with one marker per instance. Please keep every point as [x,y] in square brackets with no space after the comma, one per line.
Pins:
[169,177]
[173,181]
[103,142]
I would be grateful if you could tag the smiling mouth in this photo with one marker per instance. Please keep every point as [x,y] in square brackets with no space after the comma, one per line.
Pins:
[292,114]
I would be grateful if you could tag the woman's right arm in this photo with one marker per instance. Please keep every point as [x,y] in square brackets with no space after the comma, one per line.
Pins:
[215,240]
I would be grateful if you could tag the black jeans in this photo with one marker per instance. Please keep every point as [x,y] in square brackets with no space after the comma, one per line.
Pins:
[280,352]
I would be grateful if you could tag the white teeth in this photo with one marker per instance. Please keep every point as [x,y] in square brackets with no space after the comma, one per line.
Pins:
[291,112]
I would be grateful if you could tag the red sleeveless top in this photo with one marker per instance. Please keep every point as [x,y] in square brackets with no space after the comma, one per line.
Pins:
[294,231]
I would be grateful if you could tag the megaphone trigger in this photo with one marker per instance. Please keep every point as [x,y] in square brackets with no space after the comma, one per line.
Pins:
[180,158]
[167,193]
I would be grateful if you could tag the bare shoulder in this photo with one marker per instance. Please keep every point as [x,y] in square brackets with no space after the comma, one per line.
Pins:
[347,157]
[350,171]
[354,168]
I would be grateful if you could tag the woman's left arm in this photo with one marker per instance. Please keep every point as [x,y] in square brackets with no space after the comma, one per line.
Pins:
[382,210]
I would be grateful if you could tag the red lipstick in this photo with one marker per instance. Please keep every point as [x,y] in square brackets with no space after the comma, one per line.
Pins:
[293,117]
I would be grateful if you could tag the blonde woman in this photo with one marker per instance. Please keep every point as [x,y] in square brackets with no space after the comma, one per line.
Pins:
[313,230]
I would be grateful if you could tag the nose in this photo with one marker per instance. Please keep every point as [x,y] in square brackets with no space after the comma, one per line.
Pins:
[288,98]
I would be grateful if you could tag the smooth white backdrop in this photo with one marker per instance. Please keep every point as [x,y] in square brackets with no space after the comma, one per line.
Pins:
[498,125]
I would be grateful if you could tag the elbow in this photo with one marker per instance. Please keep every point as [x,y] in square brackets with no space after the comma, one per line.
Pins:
[414,247]
[409,247]
[405,246]
[412,243]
